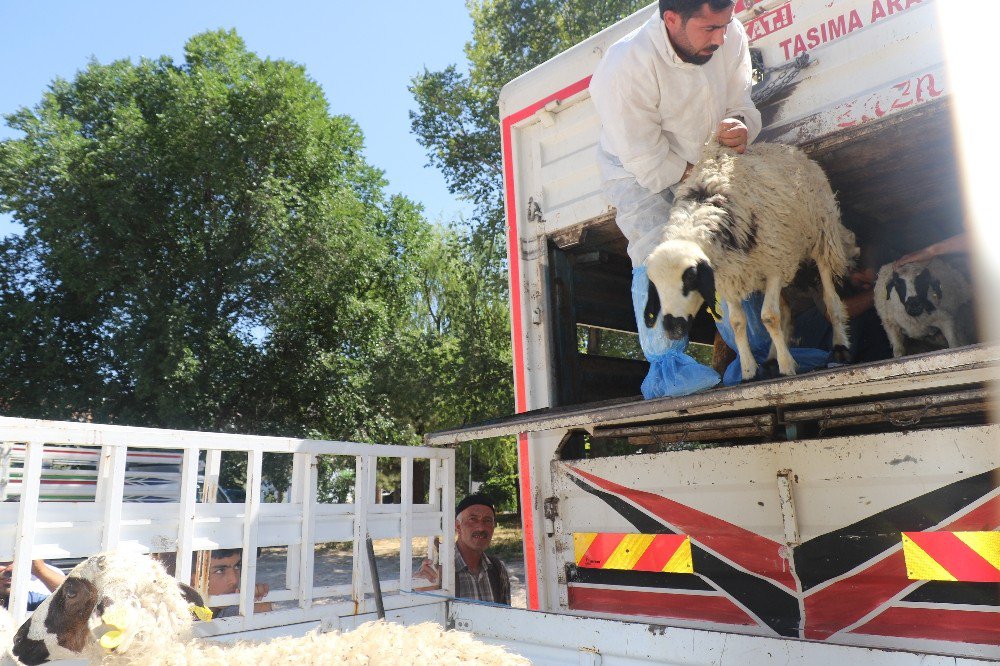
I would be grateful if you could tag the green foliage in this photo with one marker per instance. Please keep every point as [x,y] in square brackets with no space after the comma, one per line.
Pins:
[502,489]
[457,122]
[205,247]
[457,117]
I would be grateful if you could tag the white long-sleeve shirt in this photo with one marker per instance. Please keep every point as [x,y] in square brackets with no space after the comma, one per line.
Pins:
[657,111]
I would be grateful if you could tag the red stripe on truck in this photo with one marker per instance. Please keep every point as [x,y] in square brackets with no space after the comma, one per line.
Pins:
[517,329]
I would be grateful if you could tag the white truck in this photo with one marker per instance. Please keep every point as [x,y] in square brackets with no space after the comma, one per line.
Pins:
[833,507]
[757,524]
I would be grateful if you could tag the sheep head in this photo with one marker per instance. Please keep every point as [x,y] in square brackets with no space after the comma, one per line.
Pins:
[112,603]
[917,289]
[681,280]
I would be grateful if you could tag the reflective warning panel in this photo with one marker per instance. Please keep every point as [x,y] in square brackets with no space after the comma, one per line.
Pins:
[668,553]
[972,557]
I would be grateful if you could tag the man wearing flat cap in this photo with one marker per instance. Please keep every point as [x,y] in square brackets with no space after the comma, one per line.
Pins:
[477,575]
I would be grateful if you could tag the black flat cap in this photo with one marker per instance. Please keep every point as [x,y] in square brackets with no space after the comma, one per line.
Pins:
[473,500]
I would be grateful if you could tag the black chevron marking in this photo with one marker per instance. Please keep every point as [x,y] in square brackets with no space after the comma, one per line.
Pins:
[835,553]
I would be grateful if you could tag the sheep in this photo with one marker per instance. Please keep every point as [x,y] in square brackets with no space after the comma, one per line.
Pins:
[119,608]
[745,223]
[933,299]
[7,629]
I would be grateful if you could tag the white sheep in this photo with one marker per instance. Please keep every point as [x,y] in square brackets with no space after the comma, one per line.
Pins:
[7,629]
[745,223]
[118,608]
[932,299]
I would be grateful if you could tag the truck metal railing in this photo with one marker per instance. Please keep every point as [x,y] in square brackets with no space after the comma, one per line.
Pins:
[33,529]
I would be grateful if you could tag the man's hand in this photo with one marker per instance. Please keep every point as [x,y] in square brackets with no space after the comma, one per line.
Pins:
[733,133]
[429,572]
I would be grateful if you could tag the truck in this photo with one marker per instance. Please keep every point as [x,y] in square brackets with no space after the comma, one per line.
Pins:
[768,522]
[801,498]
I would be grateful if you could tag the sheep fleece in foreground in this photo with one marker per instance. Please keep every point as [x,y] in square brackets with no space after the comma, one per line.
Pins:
[132,595]
[7,629]
[371,644]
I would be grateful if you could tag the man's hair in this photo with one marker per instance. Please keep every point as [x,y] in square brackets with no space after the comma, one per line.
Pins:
[687,8]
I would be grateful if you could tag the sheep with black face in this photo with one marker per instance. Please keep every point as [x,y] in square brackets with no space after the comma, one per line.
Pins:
[924,301]
[745,223]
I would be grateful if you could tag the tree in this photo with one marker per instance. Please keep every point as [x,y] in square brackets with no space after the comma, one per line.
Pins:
[457,116]
[457,122]
[205,247]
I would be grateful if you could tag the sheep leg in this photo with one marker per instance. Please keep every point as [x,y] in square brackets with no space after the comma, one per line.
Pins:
[836,313]
[896,339]
[771,317]
[787,328]
[738,320]
[950,332]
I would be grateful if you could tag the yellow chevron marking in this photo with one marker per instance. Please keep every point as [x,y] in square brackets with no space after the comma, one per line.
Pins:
[680,561]
[629,551]
[920,565]
[986,544]
[581,543]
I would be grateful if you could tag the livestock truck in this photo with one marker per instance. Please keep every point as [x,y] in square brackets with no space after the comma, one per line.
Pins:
[843,516]
[853,506]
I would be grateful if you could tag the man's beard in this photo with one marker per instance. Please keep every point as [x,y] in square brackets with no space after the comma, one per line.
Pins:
[684,49]
[696,58]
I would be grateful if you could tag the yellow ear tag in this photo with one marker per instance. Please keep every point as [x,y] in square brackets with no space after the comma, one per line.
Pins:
[201,612]
[118,619]
[112,639]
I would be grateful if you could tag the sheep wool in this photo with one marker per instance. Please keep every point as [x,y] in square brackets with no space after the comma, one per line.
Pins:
[7,630]
[932,300]
[745,223]
[372,644]
[119,608]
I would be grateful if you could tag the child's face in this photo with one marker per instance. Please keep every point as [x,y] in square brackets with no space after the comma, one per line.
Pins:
[224,574]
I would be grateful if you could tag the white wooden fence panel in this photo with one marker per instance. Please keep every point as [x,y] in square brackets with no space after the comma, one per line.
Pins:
[196,522]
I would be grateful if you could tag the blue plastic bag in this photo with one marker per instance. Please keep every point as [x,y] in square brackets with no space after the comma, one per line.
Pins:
[671,372]
[760,342]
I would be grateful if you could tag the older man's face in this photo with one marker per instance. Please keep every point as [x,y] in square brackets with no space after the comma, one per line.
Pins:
[475,527]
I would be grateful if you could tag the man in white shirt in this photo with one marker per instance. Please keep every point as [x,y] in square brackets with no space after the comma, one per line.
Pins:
[44,580]
[662,92]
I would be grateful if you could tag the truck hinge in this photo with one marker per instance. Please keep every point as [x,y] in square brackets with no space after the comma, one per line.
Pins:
[551,509]
[786,500]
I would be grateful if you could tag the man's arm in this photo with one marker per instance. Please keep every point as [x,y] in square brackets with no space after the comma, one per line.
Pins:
[51,577]
[953,245]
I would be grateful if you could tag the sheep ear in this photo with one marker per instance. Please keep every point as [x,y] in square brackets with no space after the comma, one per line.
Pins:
[706,286]
[191,595]
[652,306]
[890,283]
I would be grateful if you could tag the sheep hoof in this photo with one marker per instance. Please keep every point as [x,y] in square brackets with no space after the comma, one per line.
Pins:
[841,354]
[770,369]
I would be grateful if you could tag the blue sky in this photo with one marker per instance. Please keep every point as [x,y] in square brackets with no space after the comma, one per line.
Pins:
[362,53]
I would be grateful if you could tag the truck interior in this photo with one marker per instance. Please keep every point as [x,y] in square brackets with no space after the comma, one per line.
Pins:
[898,186]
